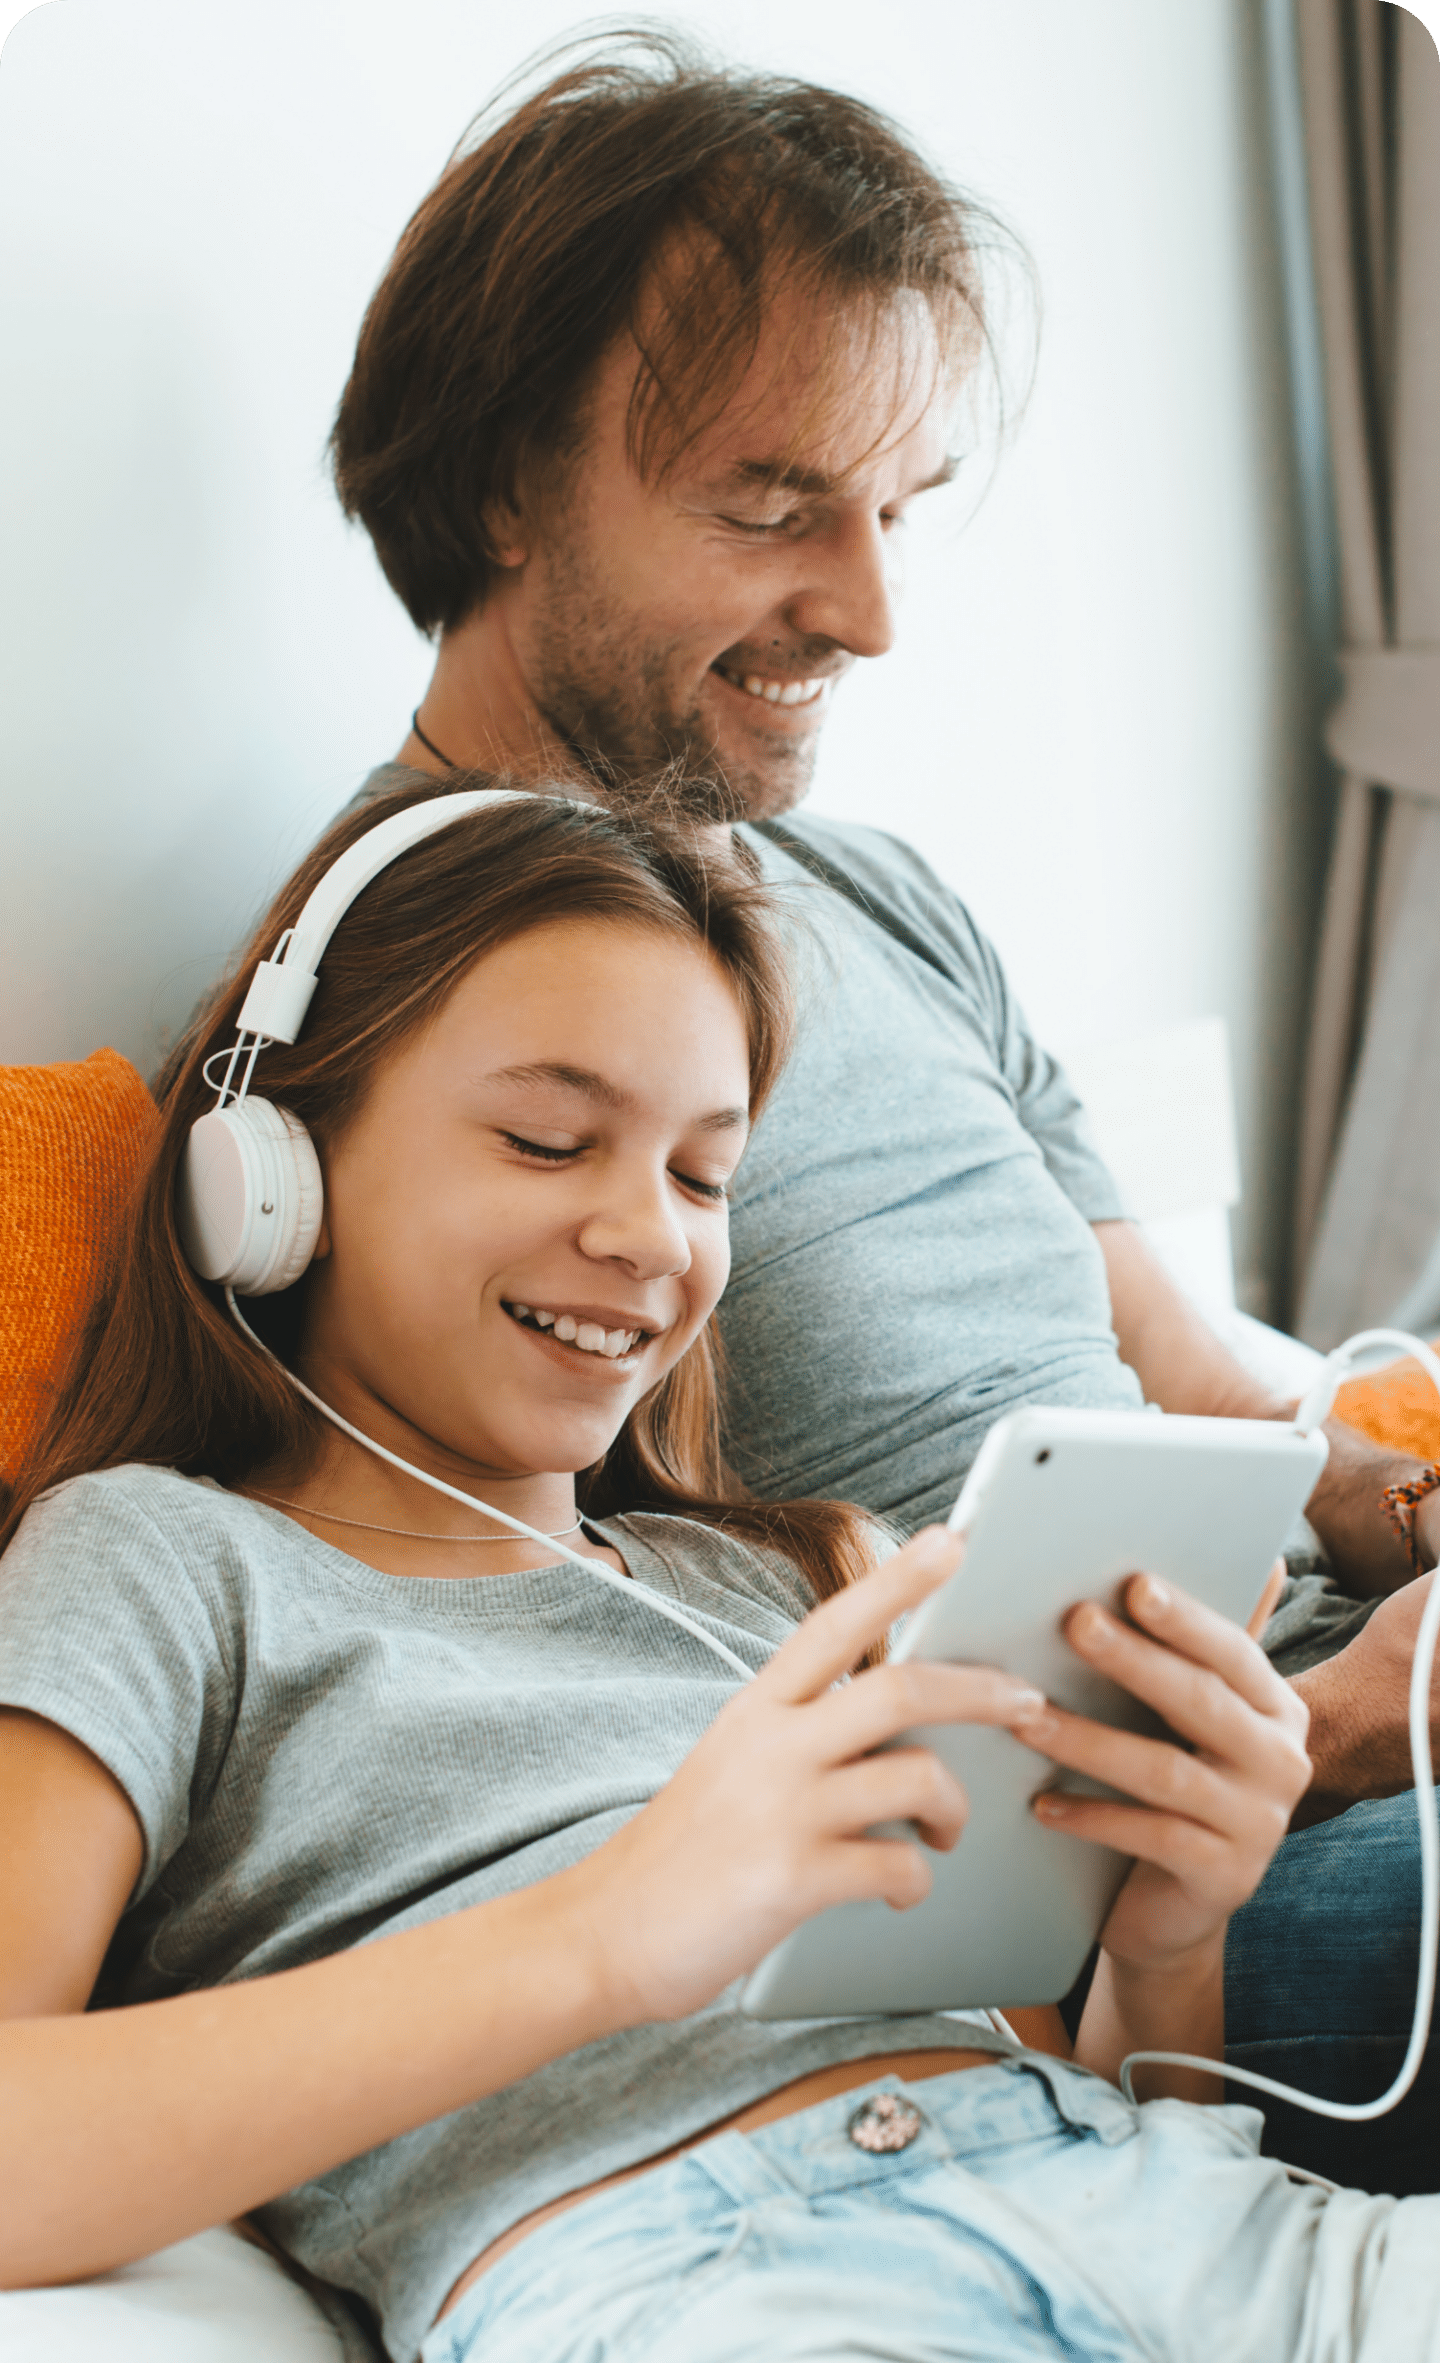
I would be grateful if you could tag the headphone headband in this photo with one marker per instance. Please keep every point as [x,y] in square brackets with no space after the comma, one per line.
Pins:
[281,988]
[251,1193]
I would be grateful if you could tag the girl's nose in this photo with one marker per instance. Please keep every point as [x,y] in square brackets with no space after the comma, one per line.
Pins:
[640,1228]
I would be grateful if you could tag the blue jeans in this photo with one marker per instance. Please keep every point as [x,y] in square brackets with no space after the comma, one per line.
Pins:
[1319,1992]
[1035,2214]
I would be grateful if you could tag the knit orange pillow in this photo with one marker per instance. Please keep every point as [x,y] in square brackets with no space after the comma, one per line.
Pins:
[72,1140]
[1397,1406]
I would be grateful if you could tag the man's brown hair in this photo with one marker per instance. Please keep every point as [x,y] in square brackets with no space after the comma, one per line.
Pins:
[639,168]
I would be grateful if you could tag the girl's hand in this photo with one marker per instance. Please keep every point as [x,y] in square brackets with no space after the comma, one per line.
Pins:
[768,1819]
[1207,1816]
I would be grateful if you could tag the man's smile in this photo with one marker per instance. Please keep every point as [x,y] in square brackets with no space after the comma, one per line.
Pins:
[776,692]
[790,704]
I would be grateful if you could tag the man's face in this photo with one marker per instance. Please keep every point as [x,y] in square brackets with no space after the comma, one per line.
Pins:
[710,613]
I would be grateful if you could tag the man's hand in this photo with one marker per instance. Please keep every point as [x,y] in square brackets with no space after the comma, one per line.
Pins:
[1359,1740]
[1364,1550]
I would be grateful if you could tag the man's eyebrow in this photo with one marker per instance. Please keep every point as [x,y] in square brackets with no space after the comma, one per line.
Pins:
[778,475]
[605,1094]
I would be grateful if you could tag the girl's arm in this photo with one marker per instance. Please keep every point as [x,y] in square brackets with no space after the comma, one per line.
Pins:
[1208,1815]
[127,2129]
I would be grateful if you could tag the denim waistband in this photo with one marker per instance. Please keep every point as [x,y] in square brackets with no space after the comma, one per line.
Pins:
[652,2221]
[963,2113]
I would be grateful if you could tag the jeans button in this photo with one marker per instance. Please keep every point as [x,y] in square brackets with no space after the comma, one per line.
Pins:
[884,2122]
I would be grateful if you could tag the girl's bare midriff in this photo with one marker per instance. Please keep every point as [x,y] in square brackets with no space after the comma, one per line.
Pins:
[823,2084]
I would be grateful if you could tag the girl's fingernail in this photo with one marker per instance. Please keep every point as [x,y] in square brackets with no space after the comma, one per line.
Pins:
[1028,1702]
[1153,1592]
[1050,1807]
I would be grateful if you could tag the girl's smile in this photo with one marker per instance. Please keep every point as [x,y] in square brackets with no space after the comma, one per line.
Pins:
[617,1338]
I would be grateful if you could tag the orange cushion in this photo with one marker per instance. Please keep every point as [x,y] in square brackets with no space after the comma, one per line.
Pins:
[72,1141]
[1397,1406]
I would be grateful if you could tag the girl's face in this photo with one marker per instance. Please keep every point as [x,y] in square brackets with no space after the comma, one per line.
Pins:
[526,1222]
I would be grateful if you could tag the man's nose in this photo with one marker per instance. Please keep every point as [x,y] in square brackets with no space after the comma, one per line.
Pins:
[850,590]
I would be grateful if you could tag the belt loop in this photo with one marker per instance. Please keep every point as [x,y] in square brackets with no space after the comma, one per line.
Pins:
[738,2167]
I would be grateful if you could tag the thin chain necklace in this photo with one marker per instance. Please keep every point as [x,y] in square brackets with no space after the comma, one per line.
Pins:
[449,766]
[410,1534]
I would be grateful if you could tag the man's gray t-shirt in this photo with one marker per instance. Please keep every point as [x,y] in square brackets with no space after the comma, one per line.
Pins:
[911,1225]
[319,1754]
[911,1230]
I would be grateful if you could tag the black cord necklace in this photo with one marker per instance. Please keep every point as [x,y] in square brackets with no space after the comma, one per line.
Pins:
[430,743]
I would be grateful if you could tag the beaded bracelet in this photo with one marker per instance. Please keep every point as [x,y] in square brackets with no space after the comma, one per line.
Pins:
[1400,1502]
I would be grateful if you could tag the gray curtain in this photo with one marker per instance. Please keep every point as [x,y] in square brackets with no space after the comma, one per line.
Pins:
[1369,1211]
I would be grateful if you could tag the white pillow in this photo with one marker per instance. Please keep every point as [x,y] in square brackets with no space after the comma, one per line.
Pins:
[213,2299]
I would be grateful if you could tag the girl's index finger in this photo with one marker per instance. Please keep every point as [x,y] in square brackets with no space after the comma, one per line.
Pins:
[836,1635]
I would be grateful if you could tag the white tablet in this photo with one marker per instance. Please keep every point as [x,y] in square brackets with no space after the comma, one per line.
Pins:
[1060,1506]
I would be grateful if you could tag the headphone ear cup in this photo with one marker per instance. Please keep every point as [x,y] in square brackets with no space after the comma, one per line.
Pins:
[250,1198]
[305,1193]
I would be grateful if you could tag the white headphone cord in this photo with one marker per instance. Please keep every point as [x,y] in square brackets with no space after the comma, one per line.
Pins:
[596,1567]
[1313,1408]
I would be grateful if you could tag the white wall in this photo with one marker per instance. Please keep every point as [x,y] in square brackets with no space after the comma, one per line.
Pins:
[1095,723]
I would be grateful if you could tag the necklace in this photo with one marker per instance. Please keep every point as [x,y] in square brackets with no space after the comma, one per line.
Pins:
[411,1534]
[449,766]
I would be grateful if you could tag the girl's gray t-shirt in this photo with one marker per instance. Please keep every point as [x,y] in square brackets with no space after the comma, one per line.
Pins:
[319,1754]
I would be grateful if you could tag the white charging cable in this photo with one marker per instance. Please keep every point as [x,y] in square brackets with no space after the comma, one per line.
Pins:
[595,1567]
[1314,1407]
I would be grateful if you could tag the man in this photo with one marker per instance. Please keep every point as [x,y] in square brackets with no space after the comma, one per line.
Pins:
[636,417]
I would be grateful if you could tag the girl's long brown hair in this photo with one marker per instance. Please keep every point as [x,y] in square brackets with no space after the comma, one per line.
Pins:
[161,1374]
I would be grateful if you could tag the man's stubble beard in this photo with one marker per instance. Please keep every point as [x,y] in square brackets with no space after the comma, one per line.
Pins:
[605,693]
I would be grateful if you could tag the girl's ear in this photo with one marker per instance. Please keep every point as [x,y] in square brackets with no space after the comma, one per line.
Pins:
[322,1239]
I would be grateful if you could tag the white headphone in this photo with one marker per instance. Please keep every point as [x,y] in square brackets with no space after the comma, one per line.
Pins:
[250,1193]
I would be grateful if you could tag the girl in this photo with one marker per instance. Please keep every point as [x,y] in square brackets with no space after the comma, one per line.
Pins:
[414,1866]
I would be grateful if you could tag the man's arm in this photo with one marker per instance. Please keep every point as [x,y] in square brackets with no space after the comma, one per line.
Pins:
[1358,1700]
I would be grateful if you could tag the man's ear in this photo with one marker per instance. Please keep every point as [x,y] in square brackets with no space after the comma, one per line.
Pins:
[508,533]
